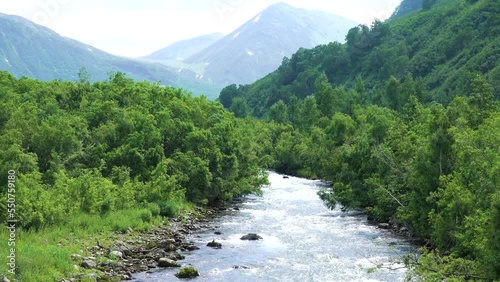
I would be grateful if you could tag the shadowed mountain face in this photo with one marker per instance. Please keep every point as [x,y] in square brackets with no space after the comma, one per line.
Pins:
[28,49]
[258,47]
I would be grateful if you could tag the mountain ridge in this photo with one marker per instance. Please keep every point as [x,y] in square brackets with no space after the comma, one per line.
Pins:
[29,49]
[258,46]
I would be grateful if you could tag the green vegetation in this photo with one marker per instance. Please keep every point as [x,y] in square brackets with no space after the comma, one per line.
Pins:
[404,121]
[442,49]
[187,272]
[94,159]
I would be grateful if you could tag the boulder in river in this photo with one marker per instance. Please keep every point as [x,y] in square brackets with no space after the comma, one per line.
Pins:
[384,226]
[251,237]
[215,245]
[187,272]
[165,262]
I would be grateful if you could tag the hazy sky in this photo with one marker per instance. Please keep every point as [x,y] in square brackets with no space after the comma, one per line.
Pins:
[136,28]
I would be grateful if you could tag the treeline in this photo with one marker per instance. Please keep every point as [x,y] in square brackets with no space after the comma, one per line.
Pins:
[82,148]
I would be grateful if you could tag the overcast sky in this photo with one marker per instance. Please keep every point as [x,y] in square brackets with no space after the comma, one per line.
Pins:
[136,28]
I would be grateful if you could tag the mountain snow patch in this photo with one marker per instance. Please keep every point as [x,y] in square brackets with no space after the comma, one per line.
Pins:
[236,35]
[257,18]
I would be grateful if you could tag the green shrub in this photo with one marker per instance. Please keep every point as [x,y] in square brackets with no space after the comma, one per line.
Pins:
[170,209]
[154,209]
[146,215]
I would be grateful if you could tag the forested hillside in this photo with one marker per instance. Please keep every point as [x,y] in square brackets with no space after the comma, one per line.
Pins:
[404,121]
[115,150]
[442,47]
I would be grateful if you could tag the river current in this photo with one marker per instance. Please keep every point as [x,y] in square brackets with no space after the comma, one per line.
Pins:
[302,241]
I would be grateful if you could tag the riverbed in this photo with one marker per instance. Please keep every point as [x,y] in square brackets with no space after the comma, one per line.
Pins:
[302,241]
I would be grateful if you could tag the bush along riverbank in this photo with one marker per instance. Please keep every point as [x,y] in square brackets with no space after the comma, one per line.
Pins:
[135,251]
[92,160]
[103,253]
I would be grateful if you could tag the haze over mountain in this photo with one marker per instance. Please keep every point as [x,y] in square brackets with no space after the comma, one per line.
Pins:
[258,47]
[185,48]
[28,49]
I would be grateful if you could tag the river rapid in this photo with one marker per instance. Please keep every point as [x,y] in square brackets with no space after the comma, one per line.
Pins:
[302,241]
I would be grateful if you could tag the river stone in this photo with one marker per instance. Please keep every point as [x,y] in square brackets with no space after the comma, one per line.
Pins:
[251,237]
[384,226]
[215,245]
[187,272]
[88,264]
[116,254]
[165,262]
[76,257]
[191,247]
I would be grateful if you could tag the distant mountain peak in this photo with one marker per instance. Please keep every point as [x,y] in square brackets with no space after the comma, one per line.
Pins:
[258,46]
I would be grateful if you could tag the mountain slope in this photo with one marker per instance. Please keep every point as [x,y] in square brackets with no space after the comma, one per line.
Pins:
[444,47]
[258,47]
[407,6]
[28,49]
[185,48]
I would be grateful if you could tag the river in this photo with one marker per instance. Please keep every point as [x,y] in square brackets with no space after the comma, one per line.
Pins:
[302,241]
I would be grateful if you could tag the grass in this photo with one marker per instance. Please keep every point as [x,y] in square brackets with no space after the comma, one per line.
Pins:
[45,255]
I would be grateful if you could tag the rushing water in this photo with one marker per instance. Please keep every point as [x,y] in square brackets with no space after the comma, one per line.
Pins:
[302,241]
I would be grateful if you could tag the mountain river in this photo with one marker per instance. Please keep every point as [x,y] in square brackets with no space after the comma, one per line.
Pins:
[302,241]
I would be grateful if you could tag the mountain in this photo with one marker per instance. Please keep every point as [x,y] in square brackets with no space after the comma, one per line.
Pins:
[443,47]
[258,46]
[408,6]
[185,48]
[28,49]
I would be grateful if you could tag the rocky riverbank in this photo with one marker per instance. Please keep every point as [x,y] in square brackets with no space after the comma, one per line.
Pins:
[134,252]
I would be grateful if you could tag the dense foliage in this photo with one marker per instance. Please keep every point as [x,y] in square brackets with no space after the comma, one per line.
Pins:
[443,47]
[404,121]
[114,145]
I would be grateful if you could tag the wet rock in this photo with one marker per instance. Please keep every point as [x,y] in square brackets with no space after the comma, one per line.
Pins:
[166,262]
[285,177]
[240,267]
[384,226]
[191,247]
[215,245]
[217,232]
[88,264]
[187,272]
[126,277]
[251,237]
